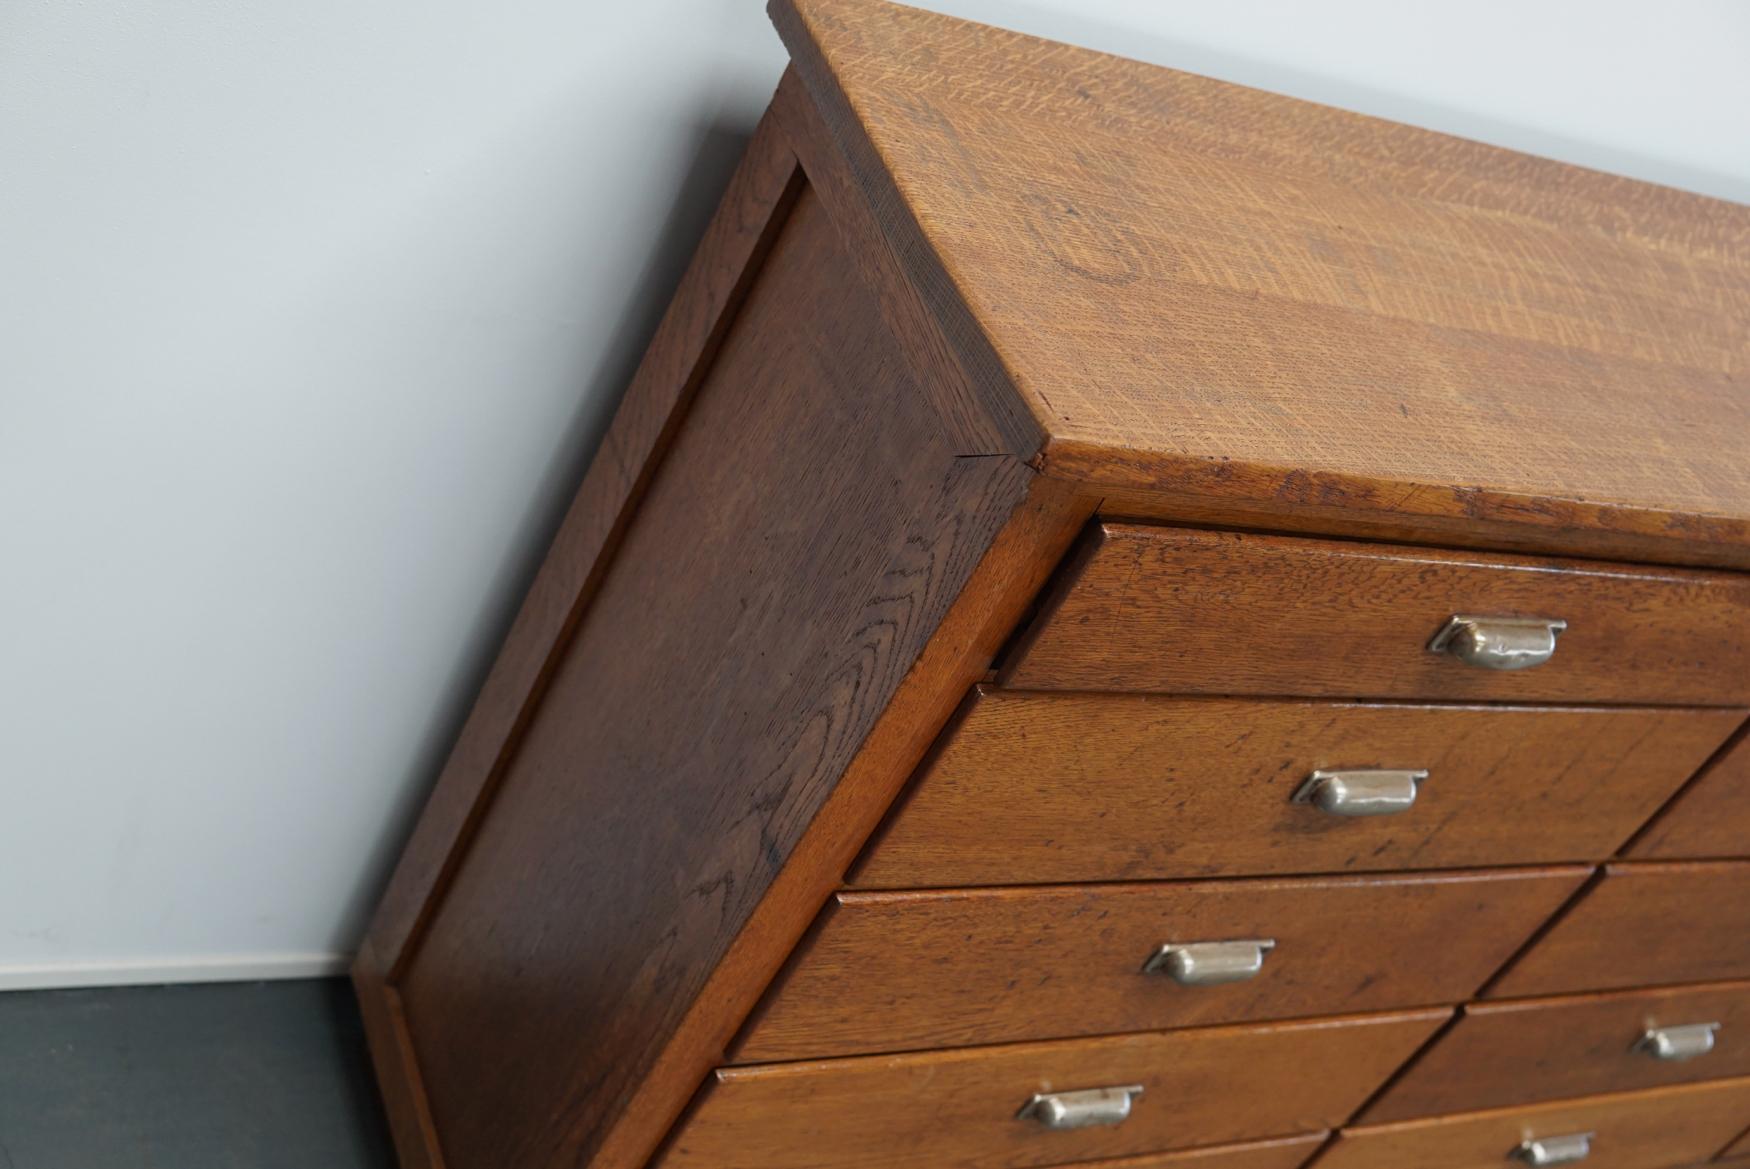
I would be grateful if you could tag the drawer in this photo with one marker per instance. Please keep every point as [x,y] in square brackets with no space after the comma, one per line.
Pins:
[1660,1128]
[1643,925]
[965,1108]
[1522,1052]
[902,971]
[1182,611]
[1279,1153]
[1712,816]
[1055,788]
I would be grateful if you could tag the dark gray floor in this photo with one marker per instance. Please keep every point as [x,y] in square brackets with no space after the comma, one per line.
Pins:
[254,1075]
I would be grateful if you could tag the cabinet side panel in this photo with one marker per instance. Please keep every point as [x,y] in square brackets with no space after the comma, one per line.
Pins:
[796,550]
[724,266]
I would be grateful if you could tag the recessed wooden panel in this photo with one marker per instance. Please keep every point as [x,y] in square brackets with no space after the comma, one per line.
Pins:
[1525,1051]
[805,534]
[1712,816]
[959,1109]
[1280,1153]
[1185,611]
[900,971]
[1643,925]
[1657,1129]
[1049,788]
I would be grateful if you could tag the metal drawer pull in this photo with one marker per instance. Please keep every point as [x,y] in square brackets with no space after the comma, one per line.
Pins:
[1677,1044]
[1210,963]
[1555,1150]
[1084,1109]
[1499,643]
[1360,793]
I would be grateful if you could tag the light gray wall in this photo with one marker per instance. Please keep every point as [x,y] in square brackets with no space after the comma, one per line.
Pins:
[310,314]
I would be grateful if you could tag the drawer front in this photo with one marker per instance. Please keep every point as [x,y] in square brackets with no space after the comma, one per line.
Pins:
[1055,788]
[1711,818]
[1523,1052]
[1280,1153]
[1180,611]
[963,1108]
[1661,1128]
[1643,925]
[903,971]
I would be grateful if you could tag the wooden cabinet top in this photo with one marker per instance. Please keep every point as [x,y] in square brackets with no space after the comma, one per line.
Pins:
[1211,302]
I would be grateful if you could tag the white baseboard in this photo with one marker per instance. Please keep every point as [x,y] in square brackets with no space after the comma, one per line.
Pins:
[151,971]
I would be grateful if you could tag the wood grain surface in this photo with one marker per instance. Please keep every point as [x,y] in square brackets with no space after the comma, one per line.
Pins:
[1738,1149]
[952,1109]
[901,971]
[1710,817]
[400,1085]
[1191,611]
[1529,1050]
[636,1100]
[1657,1129]
[807,532]
[1050,787]
[753,209]
[1276,1153]
[1643,925]
[1212,291]
[950,357]
[964,644]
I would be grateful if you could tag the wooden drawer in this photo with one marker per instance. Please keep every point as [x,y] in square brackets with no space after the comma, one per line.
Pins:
[1712,816]
[1643,925]
[1523,1052]
[1055,788]
[1278,1153]
[948,1109]
[1657,1129]
[1183,611]
[902,971]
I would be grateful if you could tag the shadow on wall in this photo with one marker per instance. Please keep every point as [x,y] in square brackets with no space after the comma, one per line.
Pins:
[719,147]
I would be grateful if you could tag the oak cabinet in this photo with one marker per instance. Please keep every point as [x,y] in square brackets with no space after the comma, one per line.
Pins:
[1114,609]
